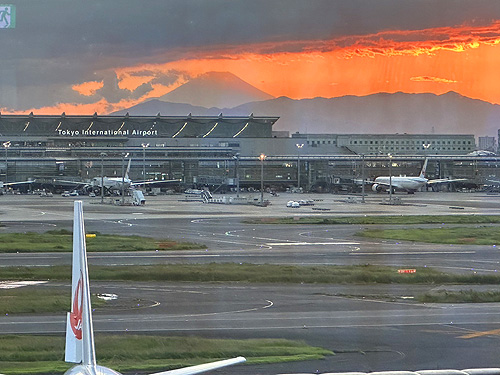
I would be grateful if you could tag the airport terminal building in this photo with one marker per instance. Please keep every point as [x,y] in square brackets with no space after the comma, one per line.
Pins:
[215,150]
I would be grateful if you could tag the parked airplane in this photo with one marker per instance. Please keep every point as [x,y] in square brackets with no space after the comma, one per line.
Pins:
[114,184]
[14,185]
[79,330]
[407,183]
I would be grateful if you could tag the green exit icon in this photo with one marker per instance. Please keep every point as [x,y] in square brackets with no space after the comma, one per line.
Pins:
[7,16]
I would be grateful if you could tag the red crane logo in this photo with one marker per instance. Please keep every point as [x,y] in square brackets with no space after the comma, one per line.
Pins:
[76,311]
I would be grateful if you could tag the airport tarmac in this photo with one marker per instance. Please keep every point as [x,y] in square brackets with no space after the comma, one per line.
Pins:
[368,333]
[33,208]
[226,238]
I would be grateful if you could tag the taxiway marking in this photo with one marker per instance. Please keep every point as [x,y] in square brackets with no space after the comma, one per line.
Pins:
[480,334]
[309,243]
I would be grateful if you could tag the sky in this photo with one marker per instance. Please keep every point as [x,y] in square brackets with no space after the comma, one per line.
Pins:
[81,57]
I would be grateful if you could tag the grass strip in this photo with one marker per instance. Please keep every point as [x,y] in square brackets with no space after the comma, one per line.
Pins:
[382,219]
[44,354]
[462,296]
[38,300]
[439,296]
[458,235]
[61,241]
[253,273]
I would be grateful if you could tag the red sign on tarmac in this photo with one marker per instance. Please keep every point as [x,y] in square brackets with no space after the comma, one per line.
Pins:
[411,270]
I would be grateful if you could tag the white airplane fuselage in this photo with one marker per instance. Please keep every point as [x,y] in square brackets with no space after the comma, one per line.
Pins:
[410,184]
[112,183]
[91,370]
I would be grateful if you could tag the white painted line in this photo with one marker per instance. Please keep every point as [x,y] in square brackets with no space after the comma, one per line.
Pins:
[18,284]
[309,243]
[415,253]
[156,256]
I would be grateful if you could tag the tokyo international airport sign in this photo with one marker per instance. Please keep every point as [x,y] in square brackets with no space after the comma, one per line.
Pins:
[7,16]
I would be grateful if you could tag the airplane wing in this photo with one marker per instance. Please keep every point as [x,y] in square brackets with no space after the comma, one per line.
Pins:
[17,183]
[192,370]
[446,180]
[359,181]
[152,182]
[70,184]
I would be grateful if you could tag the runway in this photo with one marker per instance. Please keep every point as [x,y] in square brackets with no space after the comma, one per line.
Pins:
[371,328]
[367,333]
[457,259]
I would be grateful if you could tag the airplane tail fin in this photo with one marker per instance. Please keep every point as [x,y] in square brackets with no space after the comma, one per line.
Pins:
[79,331]
[128,169]
[424,167]
[80,346]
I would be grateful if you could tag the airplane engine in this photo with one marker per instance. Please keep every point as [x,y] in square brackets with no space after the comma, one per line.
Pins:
[377,188]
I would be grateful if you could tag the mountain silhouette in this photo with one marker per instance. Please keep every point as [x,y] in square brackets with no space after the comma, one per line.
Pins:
[154,106]
[449,113]
[215,89]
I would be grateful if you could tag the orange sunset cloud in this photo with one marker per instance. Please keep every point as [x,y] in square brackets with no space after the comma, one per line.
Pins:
[464,59]
[88,88]
[389,61]
[432,79]
[130,82]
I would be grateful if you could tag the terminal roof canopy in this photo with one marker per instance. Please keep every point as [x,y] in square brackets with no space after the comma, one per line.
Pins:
[137,126]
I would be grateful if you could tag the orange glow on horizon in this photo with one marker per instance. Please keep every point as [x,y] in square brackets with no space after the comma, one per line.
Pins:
[432,79]
[101,107]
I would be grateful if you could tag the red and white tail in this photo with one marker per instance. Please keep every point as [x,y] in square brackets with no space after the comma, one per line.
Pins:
[424,167]
[79,330]
[128,169]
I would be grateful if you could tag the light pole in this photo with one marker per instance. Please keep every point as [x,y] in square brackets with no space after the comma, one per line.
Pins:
[103,154]
[6,145]
[262,157]
[299,147]
[124,156]
[144,146]
[390,178]
[426,147]
[237,164]
[363,178]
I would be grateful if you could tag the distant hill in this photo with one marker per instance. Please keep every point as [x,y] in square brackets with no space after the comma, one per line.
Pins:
[154,106]
[216,89]
[448,113]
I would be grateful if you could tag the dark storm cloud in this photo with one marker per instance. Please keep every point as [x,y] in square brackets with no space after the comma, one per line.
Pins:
[171,77]
[110,90]
[114,94]
[58,43]
[162,78]
[129,30]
